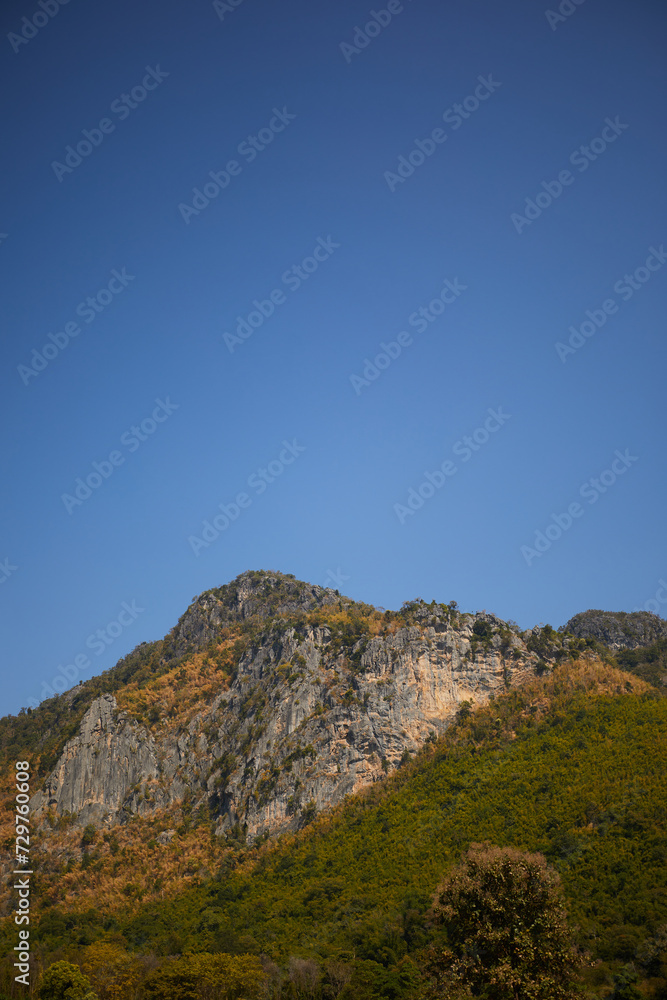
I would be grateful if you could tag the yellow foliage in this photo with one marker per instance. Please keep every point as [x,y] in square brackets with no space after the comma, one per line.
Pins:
[173,695]
[113,973]
[225,977]
[137,869]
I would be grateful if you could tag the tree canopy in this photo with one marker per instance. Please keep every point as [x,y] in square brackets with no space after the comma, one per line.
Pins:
[506,934]
[64,981]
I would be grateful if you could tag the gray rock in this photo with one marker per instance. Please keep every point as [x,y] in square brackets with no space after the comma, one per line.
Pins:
[97,768]
[618,629]
[302,724]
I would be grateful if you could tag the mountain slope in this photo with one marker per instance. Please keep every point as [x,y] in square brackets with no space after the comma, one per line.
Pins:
[570,763]
[271,700]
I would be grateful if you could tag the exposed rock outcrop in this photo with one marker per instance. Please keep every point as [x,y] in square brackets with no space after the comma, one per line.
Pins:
[252,594]
[618,629]
[305,719]
[97,768]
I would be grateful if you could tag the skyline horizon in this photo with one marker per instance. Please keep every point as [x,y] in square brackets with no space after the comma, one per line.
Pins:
[81,662]
[372,292]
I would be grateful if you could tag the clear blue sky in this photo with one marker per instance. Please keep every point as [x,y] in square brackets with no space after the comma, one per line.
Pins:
[332,112]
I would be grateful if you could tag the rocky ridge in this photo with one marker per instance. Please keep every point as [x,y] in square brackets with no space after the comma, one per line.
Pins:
[316,707]
[617,629]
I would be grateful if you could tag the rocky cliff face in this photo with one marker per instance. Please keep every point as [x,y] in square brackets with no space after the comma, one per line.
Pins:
[312,711]
[109,755]
[618,629]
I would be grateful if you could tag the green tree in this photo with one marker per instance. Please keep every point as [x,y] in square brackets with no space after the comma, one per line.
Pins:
[174,981]
[206,977]
[227,977]
[89,835]
[624,985]
[506,936]
[64,981]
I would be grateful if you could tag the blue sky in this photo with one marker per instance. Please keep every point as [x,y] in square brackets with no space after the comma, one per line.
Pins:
[305,117]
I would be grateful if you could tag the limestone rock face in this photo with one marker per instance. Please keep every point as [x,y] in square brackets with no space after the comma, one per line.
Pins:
[618,629]
[304,721]
[108,756]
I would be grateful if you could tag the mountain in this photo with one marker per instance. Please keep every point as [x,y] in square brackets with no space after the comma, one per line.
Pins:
[289,772]
[272,699]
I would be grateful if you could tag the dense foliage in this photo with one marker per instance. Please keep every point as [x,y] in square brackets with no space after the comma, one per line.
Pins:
[64,981]
[206,977]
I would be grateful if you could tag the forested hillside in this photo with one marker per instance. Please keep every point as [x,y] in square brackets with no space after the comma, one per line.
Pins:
[571,764]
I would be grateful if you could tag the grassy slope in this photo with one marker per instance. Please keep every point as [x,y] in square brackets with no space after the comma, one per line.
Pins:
[572,765]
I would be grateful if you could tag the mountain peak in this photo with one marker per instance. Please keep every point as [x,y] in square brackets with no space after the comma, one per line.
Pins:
[617,629]
[267,593]
[260,594]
